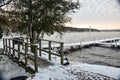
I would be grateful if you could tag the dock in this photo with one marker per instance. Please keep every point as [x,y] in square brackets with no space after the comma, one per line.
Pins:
[109,42]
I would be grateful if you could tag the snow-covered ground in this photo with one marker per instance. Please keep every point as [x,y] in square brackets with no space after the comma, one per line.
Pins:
[74,71]
[10,69]
[77,71]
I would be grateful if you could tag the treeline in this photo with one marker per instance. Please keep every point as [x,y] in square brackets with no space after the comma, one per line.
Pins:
[71,29]
[114,30]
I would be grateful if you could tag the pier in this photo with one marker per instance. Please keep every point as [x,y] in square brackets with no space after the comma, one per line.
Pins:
[109,42]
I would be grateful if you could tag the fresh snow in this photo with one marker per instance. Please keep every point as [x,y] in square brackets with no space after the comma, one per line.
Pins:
[74,71]
[58,72]
[10,69]
[104,70]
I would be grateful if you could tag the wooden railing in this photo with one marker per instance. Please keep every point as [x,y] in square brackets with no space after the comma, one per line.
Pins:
[20,52]
[21,56]
[48,46]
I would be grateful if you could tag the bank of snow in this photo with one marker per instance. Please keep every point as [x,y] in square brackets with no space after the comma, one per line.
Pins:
[9,69]
[77,71]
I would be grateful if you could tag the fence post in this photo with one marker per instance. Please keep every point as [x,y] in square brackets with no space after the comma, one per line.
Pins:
[26,39]
[13,48]
[4,45]
[39,47]
[49,50]
[9,48]
[23,44]
[26,62]
[19,52]
[61,53]
[35,57]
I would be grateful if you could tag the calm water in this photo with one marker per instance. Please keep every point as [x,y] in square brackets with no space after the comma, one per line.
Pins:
[97,55]
[93,55]
[75,37]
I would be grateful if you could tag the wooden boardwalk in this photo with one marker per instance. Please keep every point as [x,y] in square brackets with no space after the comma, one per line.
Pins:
[113,40]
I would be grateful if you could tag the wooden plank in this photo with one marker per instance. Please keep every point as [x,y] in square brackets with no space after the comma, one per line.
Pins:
[61,52]
[6,45]
[35,57]
[21,53]
[18,50]
[13,47]
[15,50]
[3,44]
[44,50]
[30,58]
[26,61]
[9,47]
[39,47]
[50,40]
[49,50]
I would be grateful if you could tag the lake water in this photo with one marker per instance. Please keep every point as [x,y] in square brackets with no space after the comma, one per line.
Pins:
[93,55]
[75,37]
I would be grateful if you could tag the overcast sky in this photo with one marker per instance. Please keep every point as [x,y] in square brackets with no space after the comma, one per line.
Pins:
[100,14]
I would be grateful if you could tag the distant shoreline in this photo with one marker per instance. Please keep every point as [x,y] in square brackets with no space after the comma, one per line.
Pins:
[72,29]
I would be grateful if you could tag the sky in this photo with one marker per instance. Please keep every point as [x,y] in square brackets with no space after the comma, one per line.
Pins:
[99,14]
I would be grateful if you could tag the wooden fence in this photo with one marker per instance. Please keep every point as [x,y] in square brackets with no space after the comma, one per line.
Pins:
[48,46]
[20,52]
[22,57]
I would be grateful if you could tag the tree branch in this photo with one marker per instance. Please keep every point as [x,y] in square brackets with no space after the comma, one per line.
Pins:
[5,3]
